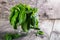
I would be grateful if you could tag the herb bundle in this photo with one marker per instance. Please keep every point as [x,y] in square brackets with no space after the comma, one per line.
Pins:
[24,16]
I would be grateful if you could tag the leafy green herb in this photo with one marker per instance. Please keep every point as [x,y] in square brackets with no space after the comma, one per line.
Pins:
[25,16]
[8,37]
[40,32]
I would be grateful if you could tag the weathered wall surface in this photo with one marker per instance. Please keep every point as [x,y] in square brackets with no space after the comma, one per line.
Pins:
[49,16]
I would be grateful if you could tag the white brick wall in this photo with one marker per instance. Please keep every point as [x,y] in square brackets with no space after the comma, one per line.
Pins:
[49,16]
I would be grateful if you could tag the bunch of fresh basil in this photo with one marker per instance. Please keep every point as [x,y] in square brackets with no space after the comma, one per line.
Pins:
[25,16]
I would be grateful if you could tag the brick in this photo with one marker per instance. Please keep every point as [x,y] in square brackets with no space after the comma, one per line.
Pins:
[57,26]
[46,26]
[50,7]
[55,35]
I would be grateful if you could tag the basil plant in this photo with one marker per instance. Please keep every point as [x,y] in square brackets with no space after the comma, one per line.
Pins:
[24,16]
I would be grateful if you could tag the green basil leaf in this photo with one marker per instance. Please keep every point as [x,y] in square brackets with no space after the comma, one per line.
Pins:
[8,37]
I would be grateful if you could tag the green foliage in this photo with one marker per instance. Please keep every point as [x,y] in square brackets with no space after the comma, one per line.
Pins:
[10,36]
[40,32]
[24,16]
